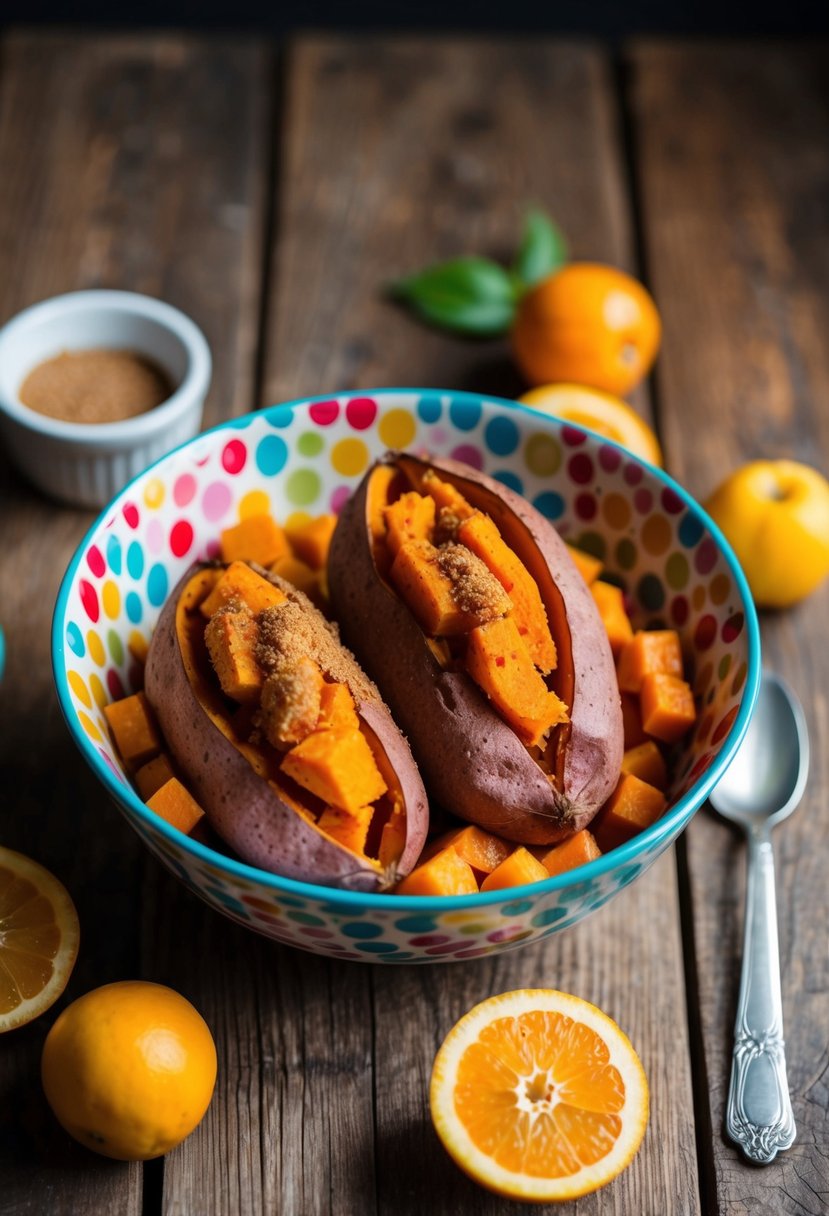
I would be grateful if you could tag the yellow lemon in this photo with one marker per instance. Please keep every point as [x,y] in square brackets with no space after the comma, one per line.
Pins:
[775,515]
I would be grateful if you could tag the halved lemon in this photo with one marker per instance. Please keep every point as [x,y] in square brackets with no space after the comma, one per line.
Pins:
[539,1096]
[601,412]
[39,936]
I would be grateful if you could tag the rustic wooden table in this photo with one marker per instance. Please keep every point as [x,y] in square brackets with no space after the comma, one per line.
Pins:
[269,192]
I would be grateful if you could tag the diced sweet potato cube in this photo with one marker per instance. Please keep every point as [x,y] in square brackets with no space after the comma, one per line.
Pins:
[498,661]
[299,574]
[449,590]
[445,495]
[633,806]
[577,850]
[481,535]
[444,874]
[412,517]
[310,542]
[177,805]
[667,705]
[349,830]
[337,709]
[648,651]
[134,728]
[152,775]
[588,566]
[632,721]
[258,538]
[231,639]
[647,763]
[483,850]
[611,605]
[241,583]
[138,646]
[291,702]
[337,766]
[516,870]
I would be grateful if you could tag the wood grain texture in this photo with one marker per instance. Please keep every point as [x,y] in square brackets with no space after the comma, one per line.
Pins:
[735,189]
[136,163]
[395,153]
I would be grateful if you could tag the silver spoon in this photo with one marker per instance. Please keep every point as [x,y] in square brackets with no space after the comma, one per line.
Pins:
[761,787]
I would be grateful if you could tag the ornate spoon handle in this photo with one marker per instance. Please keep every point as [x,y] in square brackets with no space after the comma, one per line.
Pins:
[759,1114]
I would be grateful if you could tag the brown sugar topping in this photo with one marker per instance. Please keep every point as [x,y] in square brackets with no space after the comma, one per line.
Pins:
[94,386]
[290,704]
[446,526]
[474,589]
[296,629]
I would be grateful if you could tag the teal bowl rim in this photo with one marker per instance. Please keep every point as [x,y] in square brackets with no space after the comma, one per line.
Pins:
[668,826]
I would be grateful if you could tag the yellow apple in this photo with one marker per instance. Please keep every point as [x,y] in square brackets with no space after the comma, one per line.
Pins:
[775,514]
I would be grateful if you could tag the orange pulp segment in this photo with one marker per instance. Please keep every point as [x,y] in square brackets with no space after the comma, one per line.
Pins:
[539,1096]
[39,937]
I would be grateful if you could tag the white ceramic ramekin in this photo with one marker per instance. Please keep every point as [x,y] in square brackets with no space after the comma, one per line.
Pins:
[88,464]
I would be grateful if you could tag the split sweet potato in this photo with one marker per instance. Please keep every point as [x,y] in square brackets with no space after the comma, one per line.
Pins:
[317,783]
[533,774]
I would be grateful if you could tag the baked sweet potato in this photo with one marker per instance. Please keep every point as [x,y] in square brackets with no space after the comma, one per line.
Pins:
[319,750]
[516,725]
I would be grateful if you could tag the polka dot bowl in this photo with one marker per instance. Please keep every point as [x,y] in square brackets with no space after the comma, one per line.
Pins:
[308,456]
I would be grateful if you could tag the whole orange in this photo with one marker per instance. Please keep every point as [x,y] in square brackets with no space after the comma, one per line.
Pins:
[129,1069]
[587,324]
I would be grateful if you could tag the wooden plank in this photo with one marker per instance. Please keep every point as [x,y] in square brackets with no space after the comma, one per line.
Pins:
[137,163]
[735,192]
[398,152]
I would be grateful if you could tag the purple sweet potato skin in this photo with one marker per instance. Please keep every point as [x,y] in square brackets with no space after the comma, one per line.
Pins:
[244,808]
[471,760]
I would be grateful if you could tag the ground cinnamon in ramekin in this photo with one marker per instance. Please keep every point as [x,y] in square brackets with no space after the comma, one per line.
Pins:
[95,386]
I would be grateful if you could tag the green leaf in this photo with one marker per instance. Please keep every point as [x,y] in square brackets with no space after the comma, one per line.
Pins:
[543,249]
[471,295]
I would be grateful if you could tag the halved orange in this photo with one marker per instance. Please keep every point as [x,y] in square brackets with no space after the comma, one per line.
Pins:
[39,936]
[539,1096]
[602,412]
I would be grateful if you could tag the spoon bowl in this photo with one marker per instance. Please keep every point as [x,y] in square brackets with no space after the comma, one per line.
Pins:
[766,779]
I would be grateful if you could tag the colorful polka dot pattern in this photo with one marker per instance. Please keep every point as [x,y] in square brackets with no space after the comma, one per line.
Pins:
[297,461]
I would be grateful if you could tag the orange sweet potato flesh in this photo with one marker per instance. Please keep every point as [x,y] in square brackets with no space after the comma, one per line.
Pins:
[482,850]
[337,709]
[633,806]
[611,604]
[473,761]
[423,576]
[576,851]
[152,775]
[173,802]
[133,725]
[336,766]
[648,652]
[231,643]
[515,871]
[479,534]
[311,540]
[410,517]
[444,874]
[668,709]
[647,763]
[263,815]
[258,538]
[500,664]
[240,582]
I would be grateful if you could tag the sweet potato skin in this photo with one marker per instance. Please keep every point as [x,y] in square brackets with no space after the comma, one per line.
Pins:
[246,809]
[471,761]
